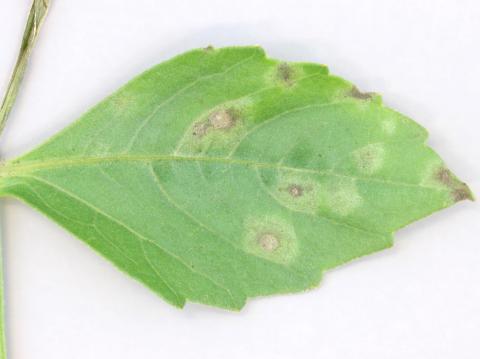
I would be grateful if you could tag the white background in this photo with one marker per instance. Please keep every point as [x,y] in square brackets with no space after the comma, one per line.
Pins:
[420,299]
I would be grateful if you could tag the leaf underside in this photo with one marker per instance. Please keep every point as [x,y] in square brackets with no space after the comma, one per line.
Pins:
[222,175]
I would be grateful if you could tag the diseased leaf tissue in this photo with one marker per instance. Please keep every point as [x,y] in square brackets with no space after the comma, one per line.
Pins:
[222,175]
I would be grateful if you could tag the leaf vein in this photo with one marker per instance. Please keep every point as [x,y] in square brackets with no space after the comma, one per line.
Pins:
[148,118]
[169,198]
[131,230]
[180,298]
[21,169]
[279,116]
[316,215]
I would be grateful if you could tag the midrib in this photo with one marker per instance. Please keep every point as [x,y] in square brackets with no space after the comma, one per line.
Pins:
[15,168]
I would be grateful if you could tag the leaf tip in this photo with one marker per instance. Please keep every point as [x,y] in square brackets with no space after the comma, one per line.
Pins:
[459,190]
[463,193]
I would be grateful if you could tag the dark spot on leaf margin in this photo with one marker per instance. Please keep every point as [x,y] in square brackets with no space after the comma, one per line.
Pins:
[459,190]
[356,93]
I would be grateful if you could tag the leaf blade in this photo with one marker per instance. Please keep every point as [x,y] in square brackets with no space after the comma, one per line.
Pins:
[222,175]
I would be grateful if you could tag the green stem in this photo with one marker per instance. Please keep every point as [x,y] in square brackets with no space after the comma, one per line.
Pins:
[36,17]
[3,344]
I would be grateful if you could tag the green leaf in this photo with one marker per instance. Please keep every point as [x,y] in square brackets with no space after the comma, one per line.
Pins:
[222,175]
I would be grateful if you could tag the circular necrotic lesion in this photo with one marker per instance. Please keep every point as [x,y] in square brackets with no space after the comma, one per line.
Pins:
[222,119]
[271,238]
[295,190]
[268,241]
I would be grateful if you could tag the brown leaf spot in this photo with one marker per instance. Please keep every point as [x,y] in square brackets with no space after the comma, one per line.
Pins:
[461,194]
[285,73]
[295,190]
[369,158]
[209,48]
[356,93]
[268,241]
[444,176]
[459,190]
[200,129]
[222,119]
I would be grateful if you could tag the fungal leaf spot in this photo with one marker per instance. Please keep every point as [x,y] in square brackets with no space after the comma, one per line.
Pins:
[223,119]
[268,241]
[356,93]
[286,73]
[271,238]
[200,129]
[298,192]
[462,193]
[215,131]
[341,197]
[444,176]
[209,48]
[369,158]
[459,191]
[295,190]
